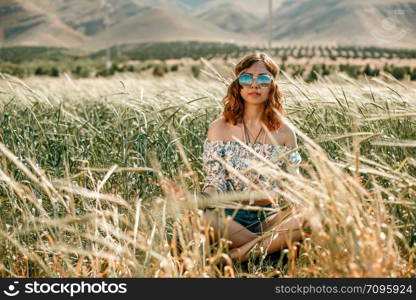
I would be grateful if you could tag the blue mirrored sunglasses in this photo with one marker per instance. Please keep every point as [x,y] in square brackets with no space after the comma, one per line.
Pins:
[263,80]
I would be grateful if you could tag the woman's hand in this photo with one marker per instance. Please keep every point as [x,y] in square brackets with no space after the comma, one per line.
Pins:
[171,188]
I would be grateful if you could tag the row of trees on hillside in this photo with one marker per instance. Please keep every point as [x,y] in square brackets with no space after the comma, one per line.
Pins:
[208,50]
[96,68]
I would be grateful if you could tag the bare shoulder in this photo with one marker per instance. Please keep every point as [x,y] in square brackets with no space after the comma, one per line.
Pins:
[287,135]
[218,130]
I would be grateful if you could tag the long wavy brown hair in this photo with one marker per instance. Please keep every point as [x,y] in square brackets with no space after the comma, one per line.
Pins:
[234,103]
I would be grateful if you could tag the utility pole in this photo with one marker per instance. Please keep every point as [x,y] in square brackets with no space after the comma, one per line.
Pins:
[118,50]
[2,37]
[270,25]
[108,62]
[107,8]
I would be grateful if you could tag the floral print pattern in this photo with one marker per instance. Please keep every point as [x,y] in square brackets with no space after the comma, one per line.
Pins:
[238,157]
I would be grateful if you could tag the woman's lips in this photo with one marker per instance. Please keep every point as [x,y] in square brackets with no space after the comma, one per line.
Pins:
[254,94]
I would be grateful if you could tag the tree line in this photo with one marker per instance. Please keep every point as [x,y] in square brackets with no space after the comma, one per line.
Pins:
[136,58]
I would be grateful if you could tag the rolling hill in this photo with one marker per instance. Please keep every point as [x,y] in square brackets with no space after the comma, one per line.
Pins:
[29,23]
[371,22]
[94,24]
[159,24]
[231,16]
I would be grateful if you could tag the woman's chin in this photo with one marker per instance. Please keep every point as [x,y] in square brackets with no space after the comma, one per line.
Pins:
[254,101]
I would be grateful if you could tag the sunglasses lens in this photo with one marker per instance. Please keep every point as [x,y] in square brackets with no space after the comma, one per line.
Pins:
[245,79]
[264,80]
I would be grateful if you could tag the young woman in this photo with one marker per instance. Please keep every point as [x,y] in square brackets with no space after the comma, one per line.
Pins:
[249,110]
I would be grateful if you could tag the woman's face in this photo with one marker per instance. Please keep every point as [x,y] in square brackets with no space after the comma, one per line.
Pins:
[255,94]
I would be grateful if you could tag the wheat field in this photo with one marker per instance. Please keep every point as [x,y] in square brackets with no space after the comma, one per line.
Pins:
[81,162]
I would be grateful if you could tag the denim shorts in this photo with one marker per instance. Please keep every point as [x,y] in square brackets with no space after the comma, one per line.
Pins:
[250,219]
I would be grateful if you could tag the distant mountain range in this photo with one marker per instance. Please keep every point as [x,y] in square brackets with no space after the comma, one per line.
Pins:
[96,24]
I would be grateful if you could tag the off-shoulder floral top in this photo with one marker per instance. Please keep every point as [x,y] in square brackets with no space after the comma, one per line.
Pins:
[240,159]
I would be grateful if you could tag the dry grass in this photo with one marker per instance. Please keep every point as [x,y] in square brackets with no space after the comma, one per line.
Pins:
[81,161]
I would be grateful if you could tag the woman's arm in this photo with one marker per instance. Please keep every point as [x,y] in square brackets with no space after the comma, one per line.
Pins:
[209,189]
[292,160]
[214,180]
[288,136]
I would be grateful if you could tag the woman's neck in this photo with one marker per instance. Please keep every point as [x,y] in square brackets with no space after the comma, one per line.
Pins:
[252,114]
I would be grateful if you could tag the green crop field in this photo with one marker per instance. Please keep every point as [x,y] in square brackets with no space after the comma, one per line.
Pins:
[81,161]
